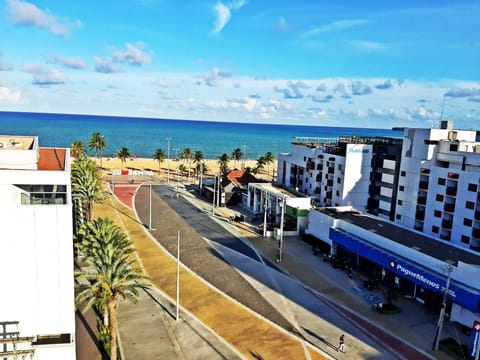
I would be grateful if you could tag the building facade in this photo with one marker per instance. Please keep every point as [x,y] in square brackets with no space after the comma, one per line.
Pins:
[439,184]
[37,309]
[348,171]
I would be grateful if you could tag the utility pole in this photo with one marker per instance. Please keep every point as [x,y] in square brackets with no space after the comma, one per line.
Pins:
[280,242]
[438,332]
[265,208]
[168,159]
[177,317]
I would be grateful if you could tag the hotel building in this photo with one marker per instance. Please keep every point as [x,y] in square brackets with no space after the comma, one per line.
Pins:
[37,310]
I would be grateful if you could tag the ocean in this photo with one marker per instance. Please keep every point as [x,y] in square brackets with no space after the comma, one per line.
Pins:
[143,135]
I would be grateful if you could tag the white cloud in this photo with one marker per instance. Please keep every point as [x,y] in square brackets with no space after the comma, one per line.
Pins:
[134,54]
[369,46]
[458,92]
[211,79]
[334,26]
[282,25]
[360,88]
[71,62]
[25,13]
[224,13]
[43,75]
[105,66]
[8,96]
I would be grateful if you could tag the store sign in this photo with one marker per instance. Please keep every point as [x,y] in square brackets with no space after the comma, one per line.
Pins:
[409,271]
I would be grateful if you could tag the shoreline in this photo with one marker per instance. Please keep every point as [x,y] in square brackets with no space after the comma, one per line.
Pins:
[110,164]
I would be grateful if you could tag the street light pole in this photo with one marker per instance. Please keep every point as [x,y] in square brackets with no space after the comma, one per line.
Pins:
[265,208]
[244,147]
[280,242]
[438,332]
[214,192]
[168,159]
[177,317]
[150,227]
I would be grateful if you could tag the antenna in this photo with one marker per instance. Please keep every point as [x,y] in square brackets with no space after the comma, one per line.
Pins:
[443,107]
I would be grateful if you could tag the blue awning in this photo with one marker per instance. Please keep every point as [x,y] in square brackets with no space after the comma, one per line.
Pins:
[408,270]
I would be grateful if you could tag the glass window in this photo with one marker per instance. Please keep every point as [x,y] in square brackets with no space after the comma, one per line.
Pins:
[472,187]
[437,213]
[435,229]
[441,181]
[467,222]
[470,205]
[439,197]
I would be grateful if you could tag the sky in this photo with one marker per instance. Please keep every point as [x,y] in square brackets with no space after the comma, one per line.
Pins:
[330,63]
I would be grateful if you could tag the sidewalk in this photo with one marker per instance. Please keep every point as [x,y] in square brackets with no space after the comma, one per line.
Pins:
[315,317]
[243,332]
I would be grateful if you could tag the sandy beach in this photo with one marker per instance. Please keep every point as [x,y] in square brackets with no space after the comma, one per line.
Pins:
[110,164]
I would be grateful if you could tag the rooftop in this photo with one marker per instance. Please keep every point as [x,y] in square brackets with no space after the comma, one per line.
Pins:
[431,247]
[16,142]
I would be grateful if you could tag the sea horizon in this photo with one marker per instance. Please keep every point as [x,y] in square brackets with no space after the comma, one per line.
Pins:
[142,135]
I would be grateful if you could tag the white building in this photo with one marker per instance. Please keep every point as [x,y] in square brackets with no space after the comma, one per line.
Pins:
[439,184]
[36,251]
[353,171]
[272,201]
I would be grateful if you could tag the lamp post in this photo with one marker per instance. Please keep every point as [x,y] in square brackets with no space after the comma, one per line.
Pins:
[265,208]
[214,193]
[177,317]
[168,159]
[441,317]
[150,226]
[280,241]
[244,147]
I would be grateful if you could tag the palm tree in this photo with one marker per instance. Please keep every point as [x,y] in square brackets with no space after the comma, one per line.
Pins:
[114,275]
[123,154]
[197,159]
[77,149]
[159,156]
[223,163]
[97,142]
[237,155]
[260,165]
[187,155]
[268,157]
[87,186]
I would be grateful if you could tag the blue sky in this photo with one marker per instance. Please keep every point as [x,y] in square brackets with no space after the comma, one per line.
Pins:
[339,63]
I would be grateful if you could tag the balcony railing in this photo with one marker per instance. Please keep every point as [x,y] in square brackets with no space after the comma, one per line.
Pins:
[477,215]
[420,215]
[476,233]
[451,191]
[447,224]
[449,207]
[422,200]
[423,185]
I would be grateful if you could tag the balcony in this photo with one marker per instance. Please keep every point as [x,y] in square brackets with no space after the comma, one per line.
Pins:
[318,178]
[476,233]
[449,207]
[423,185]
[331,170]
[310,165]
[328,195]
[447,224]
[418,227]
[420,215]
[477,215]
[451,191]
[453,176]
[424,171]
[422,201]
[330,183]
[445,237]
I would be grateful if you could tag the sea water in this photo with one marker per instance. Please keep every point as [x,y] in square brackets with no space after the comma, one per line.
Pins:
[141,136]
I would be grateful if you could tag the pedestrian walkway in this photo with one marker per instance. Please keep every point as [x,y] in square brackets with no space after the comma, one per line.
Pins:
[315,317]
[248,335]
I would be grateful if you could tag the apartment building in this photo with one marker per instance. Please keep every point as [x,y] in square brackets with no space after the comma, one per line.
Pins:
[348,171]
[37,312]
[439,184]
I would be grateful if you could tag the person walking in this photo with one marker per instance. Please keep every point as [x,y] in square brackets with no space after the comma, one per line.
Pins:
[341,346]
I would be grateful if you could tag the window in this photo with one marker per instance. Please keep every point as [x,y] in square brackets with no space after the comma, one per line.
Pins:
[337,193]
[403,173]
[398,217]
[43,194]
[437,213]
[401,188]
[472,187]
[439,197]
[470,205]
[465,239]
[441,181]
[430,142]
[400,202]
[453,147]
[339,180]
[467,222]
[435,229]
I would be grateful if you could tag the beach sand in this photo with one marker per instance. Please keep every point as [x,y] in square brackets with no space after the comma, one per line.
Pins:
[110,164]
